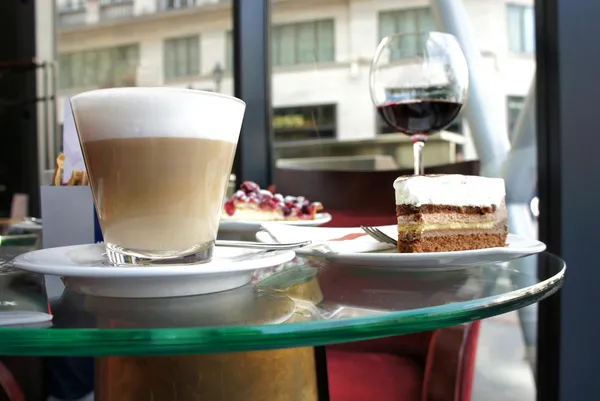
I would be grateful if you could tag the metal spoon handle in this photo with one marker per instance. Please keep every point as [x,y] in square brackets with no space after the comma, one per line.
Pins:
[262,245]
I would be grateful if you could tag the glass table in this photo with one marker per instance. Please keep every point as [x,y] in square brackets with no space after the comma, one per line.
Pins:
[267,337]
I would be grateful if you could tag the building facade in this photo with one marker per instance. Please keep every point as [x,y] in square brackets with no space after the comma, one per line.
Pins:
[321,52]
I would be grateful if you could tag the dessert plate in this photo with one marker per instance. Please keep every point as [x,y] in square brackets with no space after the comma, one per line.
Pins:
[85,269]
[353,246]
[231,225]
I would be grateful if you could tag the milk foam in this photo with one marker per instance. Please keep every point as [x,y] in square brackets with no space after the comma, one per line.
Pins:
[157,113]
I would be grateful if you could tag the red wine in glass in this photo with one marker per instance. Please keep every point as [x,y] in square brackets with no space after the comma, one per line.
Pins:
[419,117]
[419,83]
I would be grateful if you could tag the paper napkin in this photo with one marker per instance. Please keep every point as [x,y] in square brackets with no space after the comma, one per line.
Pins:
[338,240]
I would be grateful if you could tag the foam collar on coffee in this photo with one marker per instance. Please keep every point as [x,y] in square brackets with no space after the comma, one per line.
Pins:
[157,112]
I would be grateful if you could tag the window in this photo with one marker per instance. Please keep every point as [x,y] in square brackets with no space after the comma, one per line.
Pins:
[417,20]
[514,106]
[521,29]
[71,12]
[296,44]
[175,4]
[182,57]
[106,67]
[115,9]
[71,5]
[111,2]
[303,43]
[307,122]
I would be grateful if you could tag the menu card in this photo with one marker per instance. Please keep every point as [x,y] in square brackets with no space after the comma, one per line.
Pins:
[71,147]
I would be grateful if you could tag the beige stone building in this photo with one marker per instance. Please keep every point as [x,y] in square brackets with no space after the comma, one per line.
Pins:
[321,52]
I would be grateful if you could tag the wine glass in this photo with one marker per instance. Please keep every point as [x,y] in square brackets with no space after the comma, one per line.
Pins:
[419,84]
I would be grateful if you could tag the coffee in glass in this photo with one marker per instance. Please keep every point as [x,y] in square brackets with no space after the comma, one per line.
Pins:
[159,161]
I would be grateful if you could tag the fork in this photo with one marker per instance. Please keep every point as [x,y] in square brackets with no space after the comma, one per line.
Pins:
[263,245]
[379,235]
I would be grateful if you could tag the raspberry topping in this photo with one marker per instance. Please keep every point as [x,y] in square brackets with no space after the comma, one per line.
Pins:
[249,187]
[266,200]
[230,207]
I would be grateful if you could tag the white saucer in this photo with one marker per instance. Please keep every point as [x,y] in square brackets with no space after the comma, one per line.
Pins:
[363,250]
[232,225]
[85,269]
[25,319]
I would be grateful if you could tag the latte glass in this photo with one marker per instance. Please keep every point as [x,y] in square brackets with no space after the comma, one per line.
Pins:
[158,161]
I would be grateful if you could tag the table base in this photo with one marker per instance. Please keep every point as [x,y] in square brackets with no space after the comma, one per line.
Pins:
[277,375]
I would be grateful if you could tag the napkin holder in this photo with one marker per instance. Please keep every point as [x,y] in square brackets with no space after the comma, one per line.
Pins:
[69,216]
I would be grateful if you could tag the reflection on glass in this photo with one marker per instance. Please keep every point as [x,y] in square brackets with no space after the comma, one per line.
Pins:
[312,291]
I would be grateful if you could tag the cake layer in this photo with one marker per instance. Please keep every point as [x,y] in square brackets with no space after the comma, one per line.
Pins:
[453,242]
[253,214]
[408,235]
[449,190]
[428,227]
[402,210]
[445,218]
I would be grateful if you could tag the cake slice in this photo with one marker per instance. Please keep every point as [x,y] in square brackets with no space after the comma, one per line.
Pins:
[442,213]
[251,203]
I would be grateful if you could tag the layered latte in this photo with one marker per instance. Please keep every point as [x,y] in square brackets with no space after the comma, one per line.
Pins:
[158,161]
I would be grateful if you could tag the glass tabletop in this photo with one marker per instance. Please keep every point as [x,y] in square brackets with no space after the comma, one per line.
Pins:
[302,303]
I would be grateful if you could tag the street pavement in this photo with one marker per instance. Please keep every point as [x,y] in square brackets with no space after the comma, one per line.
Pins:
[501,371]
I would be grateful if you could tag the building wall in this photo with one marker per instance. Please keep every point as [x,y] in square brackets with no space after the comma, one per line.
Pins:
[344,82]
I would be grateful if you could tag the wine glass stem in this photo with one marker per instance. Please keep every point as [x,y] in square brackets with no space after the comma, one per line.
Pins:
[418,157]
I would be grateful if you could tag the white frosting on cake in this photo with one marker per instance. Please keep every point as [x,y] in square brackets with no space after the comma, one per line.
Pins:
[451,190]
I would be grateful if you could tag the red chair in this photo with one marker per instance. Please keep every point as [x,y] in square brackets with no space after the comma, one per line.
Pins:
[431,366]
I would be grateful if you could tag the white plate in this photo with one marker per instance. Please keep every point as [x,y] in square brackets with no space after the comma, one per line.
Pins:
[232,225]
[362,250]
[86,270]
[24,319]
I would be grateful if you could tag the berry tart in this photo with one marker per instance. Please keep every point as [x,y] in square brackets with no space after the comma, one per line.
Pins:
[250,203]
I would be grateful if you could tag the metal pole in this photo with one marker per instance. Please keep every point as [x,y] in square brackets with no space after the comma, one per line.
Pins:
[487,125]
[520,167]
[252,83]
